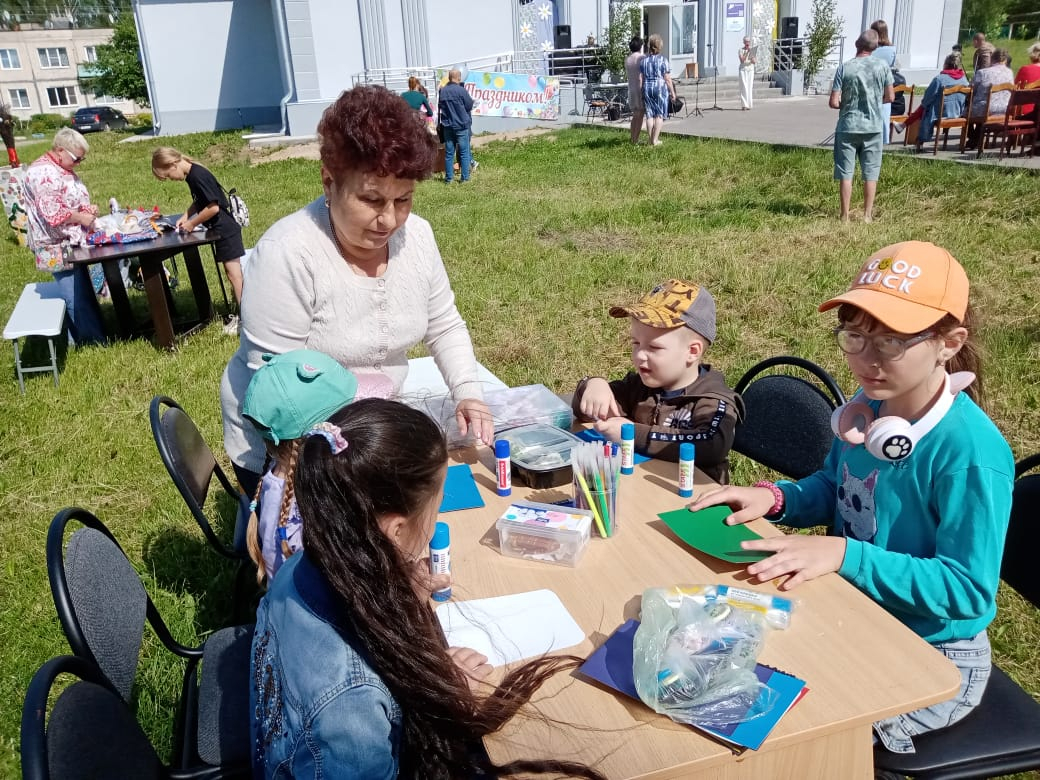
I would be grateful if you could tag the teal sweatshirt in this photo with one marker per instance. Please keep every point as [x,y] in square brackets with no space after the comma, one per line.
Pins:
[925,535]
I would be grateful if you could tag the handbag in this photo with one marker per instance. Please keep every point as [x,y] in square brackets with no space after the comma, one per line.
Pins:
[675,105]
[440,131]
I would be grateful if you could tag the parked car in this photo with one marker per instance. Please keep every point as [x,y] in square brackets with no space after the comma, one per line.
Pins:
[91,119]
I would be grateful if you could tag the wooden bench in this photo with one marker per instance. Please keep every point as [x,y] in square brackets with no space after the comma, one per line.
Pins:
[40,311]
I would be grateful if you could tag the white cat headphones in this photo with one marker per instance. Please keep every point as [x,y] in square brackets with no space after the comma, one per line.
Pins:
[893,438]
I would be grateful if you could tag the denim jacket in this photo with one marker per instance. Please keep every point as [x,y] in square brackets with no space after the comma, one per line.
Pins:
[319,709]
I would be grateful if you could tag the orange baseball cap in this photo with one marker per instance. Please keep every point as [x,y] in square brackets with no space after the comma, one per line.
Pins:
[908,287]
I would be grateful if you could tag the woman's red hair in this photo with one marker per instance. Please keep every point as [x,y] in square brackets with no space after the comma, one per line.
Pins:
[372,130]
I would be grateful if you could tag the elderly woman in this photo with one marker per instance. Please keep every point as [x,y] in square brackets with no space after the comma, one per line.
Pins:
[354,274]
[983,104]
[60,217]
[952,75]
[1029,74]
[746,55]
[656,78]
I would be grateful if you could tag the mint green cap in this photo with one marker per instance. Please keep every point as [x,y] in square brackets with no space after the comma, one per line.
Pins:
[292,392]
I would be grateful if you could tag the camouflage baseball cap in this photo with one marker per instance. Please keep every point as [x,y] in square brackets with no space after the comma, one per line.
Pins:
[671,304]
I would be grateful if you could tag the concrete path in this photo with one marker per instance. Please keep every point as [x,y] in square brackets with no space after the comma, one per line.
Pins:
[803,121]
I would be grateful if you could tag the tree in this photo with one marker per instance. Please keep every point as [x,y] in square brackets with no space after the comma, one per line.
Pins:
[118,66]
[820,34]
[624,22]
[985,16]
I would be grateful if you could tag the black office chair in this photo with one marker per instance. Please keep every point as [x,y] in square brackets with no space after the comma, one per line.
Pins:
[191,464]
[787,422]
[1002,735]
[89,733]
[102,607]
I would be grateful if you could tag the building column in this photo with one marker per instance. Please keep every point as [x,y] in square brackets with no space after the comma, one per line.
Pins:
[902,26]
[416,33]
[872,11]
[373,34]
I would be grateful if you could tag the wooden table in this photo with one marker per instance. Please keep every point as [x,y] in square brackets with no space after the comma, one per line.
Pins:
[160,300]
[859,662]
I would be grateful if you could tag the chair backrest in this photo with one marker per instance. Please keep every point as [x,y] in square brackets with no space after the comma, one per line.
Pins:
[1019,98]
[1018,567]
[192,466]
[996,89]
[102,604]
[787,418]
[950,92]
[1030,85]
[90,732]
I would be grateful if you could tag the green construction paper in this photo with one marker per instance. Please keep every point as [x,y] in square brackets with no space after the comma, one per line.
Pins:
[706,531]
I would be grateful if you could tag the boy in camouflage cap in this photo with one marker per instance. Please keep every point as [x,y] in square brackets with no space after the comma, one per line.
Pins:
[671,396]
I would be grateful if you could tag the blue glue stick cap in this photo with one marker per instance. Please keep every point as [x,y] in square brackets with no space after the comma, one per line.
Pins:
[686,451]
[628,431]
[441,537]
[502,448]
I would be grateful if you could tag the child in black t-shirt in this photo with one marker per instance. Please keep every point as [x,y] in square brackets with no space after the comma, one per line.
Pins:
[209,207]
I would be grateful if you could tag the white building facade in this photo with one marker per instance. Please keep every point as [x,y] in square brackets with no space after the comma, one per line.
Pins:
[40,71]
[218,64]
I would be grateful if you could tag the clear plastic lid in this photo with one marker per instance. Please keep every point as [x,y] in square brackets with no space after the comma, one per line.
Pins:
[539,447]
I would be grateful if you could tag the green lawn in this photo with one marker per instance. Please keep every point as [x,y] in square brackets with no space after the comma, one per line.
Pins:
[549,233]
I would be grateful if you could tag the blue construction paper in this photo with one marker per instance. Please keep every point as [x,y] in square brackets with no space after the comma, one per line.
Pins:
[460,490]
[611,664]
[591,434]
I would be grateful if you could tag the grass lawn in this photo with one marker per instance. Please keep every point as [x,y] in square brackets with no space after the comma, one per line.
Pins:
[549,233]
[1016,49]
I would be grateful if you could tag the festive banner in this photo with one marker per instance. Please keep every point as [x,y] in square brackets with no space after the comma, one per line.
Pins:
[514,95]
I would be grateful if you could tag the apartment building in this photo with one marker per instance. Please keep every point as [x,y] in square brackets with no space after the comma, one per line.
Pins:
[40,70]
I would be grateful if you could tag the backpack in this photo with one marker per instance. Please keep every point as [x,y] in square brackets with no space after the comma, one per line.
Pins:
[237,207]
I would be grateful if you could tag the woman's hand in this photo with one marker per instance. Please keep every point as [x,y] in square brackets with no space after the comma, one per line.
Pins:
[802,557]
[474,414]
[747,503]
[597,400]
[473,665]
[184,224]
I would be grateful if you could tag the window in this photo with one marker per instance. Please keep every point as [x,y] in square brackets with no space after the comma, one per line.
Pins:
[105,100]
[90,53]
[684,30]
[19,98]
[9,59]
[61,96]
[55,57]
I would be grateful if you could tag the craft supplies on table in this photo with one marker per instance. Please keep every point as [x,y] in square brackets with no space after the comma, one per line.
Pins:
[544,532]
[597,470]
[540,454]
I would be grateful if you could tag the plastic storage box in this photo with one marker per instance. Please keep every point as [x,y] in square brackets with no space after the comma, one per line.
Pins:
[510,407]
[540,453]
[544,532]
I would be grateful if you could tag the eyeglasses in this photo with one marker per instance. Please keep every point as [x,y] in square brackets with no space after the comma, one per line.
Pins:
[75,160]
[887,346]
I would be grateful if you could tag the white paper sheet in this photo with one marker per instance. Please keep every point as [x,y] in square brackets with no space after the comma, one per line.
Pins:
[510,628]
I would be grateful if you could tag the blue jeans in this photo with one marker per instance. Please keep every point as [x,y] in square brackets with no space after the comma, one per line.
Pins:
[81,305]
[972,657]
[460,137]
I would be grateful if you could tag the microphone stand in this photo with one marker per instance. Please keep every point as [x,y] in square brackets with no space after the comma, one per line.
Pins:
[715,81]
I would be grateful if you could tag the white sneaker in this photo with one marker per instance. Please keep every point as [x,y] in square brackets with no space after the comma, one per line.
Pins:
[231,326]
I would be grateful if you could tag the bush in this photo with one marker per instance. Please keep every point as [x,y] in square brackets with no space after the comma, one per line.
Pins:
[142,119]
[45,123]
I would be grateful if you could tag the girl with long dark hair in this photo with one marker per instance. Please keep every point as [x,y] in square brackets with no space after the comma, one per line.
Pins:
[351,676]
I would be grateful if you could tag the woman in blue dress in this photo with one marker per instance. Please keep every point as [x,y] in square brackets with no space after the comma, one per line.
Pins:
[887,52]
[656,78]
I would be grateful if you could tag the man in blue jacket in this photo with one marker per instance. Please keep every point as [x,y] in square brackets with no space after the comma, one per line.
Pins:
[454,106]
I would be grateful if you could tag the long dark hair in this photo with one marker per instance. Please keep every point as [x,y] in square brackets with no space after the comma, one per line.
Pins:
[392,466]
[968,357]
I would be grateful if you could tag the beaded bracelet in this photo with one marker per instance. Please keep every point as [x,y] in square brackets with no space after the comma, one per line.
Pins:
[778,499]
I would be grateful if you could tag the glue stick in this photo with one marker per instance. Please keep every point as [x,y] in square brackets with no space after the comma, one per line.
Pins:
[440,558]
[686,453]
[503,467]
[628,447]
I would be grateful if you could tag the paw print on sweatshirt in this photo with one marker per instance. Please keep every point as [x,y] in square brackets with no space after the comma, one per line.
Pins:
[897,447]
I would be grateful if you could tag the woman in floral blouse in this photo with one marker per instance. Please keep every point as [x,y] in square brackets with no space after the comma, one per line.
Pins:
[60,217]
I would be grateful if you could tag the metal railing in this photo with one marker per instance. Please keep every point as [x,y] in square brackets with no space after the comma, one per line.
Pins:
[788,54]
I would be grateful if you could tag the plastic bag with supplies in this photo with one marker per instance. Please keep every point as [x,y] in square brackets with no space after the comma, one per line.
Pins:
[694,658]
